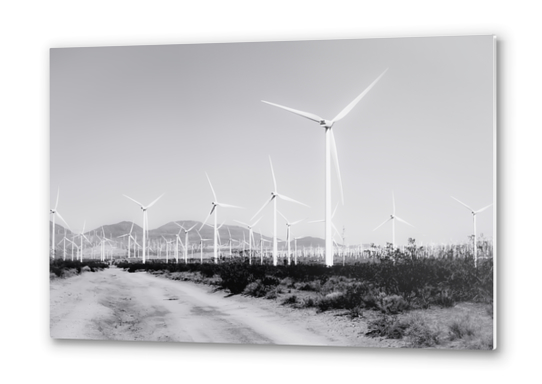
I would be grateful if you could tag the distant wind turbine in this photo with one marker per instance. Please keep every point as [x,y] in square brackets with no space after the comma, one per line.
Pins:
[145,219]
[185,246]
[273,199]
[82,235]
[130,238]
[331,151]
[214,209]
[288,225]
[250,235]
[55,212]
[474,213]
[392,218]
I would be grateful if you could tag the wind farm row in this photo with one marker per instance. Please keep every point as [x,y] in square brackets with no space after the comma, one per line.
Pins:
[334,241]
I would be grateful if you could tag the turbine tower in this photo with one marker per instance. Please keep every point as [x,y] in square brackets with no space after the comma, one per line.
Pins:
[55,212]
[145,219]
[474,213]
[331,151]
[273,199]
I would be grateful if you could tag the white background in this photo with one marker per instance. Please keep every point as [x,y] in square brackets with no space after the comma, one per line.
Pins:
[29,29]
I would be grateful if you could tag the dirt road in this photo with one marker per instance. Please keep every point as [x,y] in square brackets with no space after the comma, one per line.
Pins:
[117,305]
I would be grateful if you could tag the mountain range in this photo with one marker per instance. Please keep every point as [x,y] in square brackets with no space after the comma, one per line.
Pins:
[170,230]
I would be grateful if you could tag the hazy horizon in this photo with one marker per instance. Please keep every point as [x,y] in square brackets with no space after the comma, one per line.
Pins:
[144,120]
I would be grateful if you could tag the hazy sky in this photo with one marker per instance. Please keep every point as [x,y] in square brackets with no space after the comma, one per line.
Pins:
[145,120]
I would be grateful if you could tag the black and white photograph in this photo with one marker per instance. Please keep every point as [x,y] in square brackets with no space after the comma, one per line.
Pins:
[317,193]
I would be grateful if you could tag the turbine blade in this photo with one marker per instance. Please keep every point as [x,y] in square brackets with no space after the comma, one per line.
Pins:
[403,221]
[335,158]
[57,195]
[350,106]
[383,223]
[257,221]
[202,225]
[393,199]
[307,115]
[212,189]
[335,229]
[284,217]
[132,227]
[151,204]
[240,222]
[123,235]
[334,211]
[192,227]
[483,209]
[460,202]
[265,205]
[273,173]
[59,215]
[317,221]
[86,238]
[135,201]
[297,222]
[228,206]
[292,200]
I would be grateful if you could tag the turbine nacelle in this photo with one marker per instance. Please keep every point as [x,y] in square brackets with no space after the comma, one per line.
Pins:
[326,123]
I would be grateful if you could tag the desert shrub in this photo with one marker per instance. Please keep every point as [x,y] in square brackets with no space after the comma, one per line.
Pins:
[392,304]
[334,284]
[288,282]
[461,328]
[290,300]
[308,302]
[255,289]
[272,294]
[387,326]
[421,335]
[311,286]
[235,277]
[332,300]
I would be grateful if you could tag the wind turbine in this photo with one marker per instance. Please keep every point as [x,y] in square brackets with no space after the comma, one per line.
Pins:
[288,225]
[275,194]
[82,235]
[214,209]
[130,238]
[145,218]
[167,247]
[201,240]
[331,151]
[250,235]
[185,246]
[55,212]
[474,213]
[392,218]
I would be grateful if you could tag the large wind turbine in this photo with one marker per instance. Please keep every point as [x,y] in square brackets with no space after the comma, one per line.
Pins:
[392,218]
[474,213]
[55,212]
[331,150]
[214,209]
[273,199]
[145,218]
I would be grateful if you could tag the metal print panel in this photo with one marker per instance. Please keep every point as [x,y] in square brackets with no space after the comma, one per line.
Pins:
[323,193]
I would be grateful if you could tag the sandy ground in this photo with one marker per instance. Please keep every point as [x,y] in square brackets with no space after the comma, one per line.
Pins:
[117,305]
